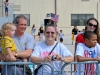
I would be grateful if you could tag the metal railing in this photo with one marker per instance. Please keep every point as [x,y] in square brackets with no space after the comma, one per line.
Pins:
[71,71]
[6,64]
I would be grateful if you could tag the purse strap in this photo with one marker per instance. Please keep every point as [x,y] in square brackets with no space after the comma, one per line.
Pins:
[49,54]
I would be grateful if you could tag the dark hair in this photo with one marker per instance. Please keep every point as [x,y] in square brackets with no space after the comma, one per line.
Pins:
[60,30]
[96,30]
[50,25]
[88,34]
[6,0]
[33,26]
[16,20]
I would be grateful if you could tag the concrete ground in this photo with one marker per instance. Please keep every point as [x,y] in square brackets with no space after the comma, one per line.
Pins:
[68,43]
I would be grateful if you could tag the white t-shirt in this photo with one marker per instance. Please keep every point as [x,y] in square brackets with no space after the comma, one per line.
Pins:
[61,35]
[42,50]
[34,31]
[84,51]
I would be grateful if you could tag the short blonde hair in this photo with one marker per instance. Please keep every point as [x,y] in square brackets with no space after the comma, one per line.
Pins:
[6,27]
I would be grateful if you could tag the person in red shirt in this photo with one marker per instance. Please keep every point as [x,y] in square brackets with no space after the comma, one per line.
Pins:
[91,25]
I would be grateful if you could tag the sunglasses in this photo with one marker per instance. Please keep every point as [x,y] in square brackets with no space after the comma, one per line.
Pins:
[90,24]
[50,32]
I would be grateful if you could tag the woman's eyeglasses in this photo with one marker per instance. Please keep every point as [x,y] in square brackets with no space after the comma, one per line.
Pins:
[90,24]
[50,32]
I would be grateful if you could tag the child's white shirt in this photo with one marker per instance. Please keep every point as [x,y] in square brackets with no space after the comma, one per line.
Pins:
[84,51]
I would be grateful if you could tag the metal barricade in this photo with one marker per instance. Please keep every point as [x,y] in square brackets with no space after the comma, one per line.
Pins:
[15,64]
[71,70]
[24,69]
[68,72]
[52,70]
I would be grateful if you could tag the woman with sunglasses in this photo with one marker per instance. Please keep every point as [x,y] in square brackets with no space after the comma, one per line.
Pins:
[91,25]
[56,58]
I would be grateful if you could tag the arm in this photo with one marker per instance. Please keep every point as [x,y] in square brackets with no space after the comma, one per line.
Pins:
[9,51]
[2,57]
[36,59]
[64,59]
[10,54]
[24,54]
[81,59]
[68,59]
[40,60]
[28,47]
[65,55]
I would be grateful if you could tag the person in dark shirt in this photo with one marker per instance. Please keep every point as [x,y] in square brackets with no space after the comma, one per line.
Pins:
[75,30]
[74,33]
[41,33]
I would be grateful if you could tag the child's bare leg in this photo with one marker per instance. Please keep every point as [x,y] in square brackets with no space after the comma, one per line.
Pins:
[24,60]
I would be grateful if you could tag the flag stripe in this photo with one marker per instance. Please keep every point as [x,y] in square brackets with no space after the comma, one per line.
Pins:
[54,17]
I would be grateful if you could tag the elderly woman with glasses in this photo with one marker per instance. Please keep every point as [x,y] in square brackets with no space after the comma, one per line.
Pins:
[91,25]
[45,52]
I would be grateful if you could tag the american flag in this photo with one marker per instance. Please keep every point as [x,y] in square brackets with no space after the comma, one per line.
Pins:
[54,17]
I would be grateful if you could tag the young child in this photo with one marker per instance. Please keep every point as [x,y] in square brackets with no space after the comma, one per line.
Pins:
[61,36]
[7,43]
[88,52]
[72,37]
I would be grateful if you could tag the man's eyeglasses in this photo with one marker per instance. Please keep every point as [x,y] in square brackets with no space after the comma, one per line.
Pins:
[50,32]
[90,24]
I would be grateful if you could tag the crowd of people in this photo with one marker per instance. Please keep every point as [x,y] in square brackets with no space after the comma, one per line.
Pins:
[40,34]
[18,46]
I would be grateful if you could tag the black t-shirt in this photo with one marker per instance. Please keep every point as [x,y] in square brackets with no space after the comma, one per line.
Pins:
[75,31]
[41,30]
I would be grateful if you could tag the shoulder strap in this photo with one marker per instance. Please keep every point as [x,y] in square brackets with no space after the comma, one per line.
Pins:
[49,54]
[53,48]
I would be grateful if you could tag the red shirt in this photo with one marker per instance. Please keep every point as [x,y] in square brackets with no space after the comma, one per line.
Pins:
[80,38]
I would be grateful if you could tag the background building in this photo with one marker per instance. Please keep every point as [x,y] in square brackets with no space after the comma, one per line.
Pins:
[71,12]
